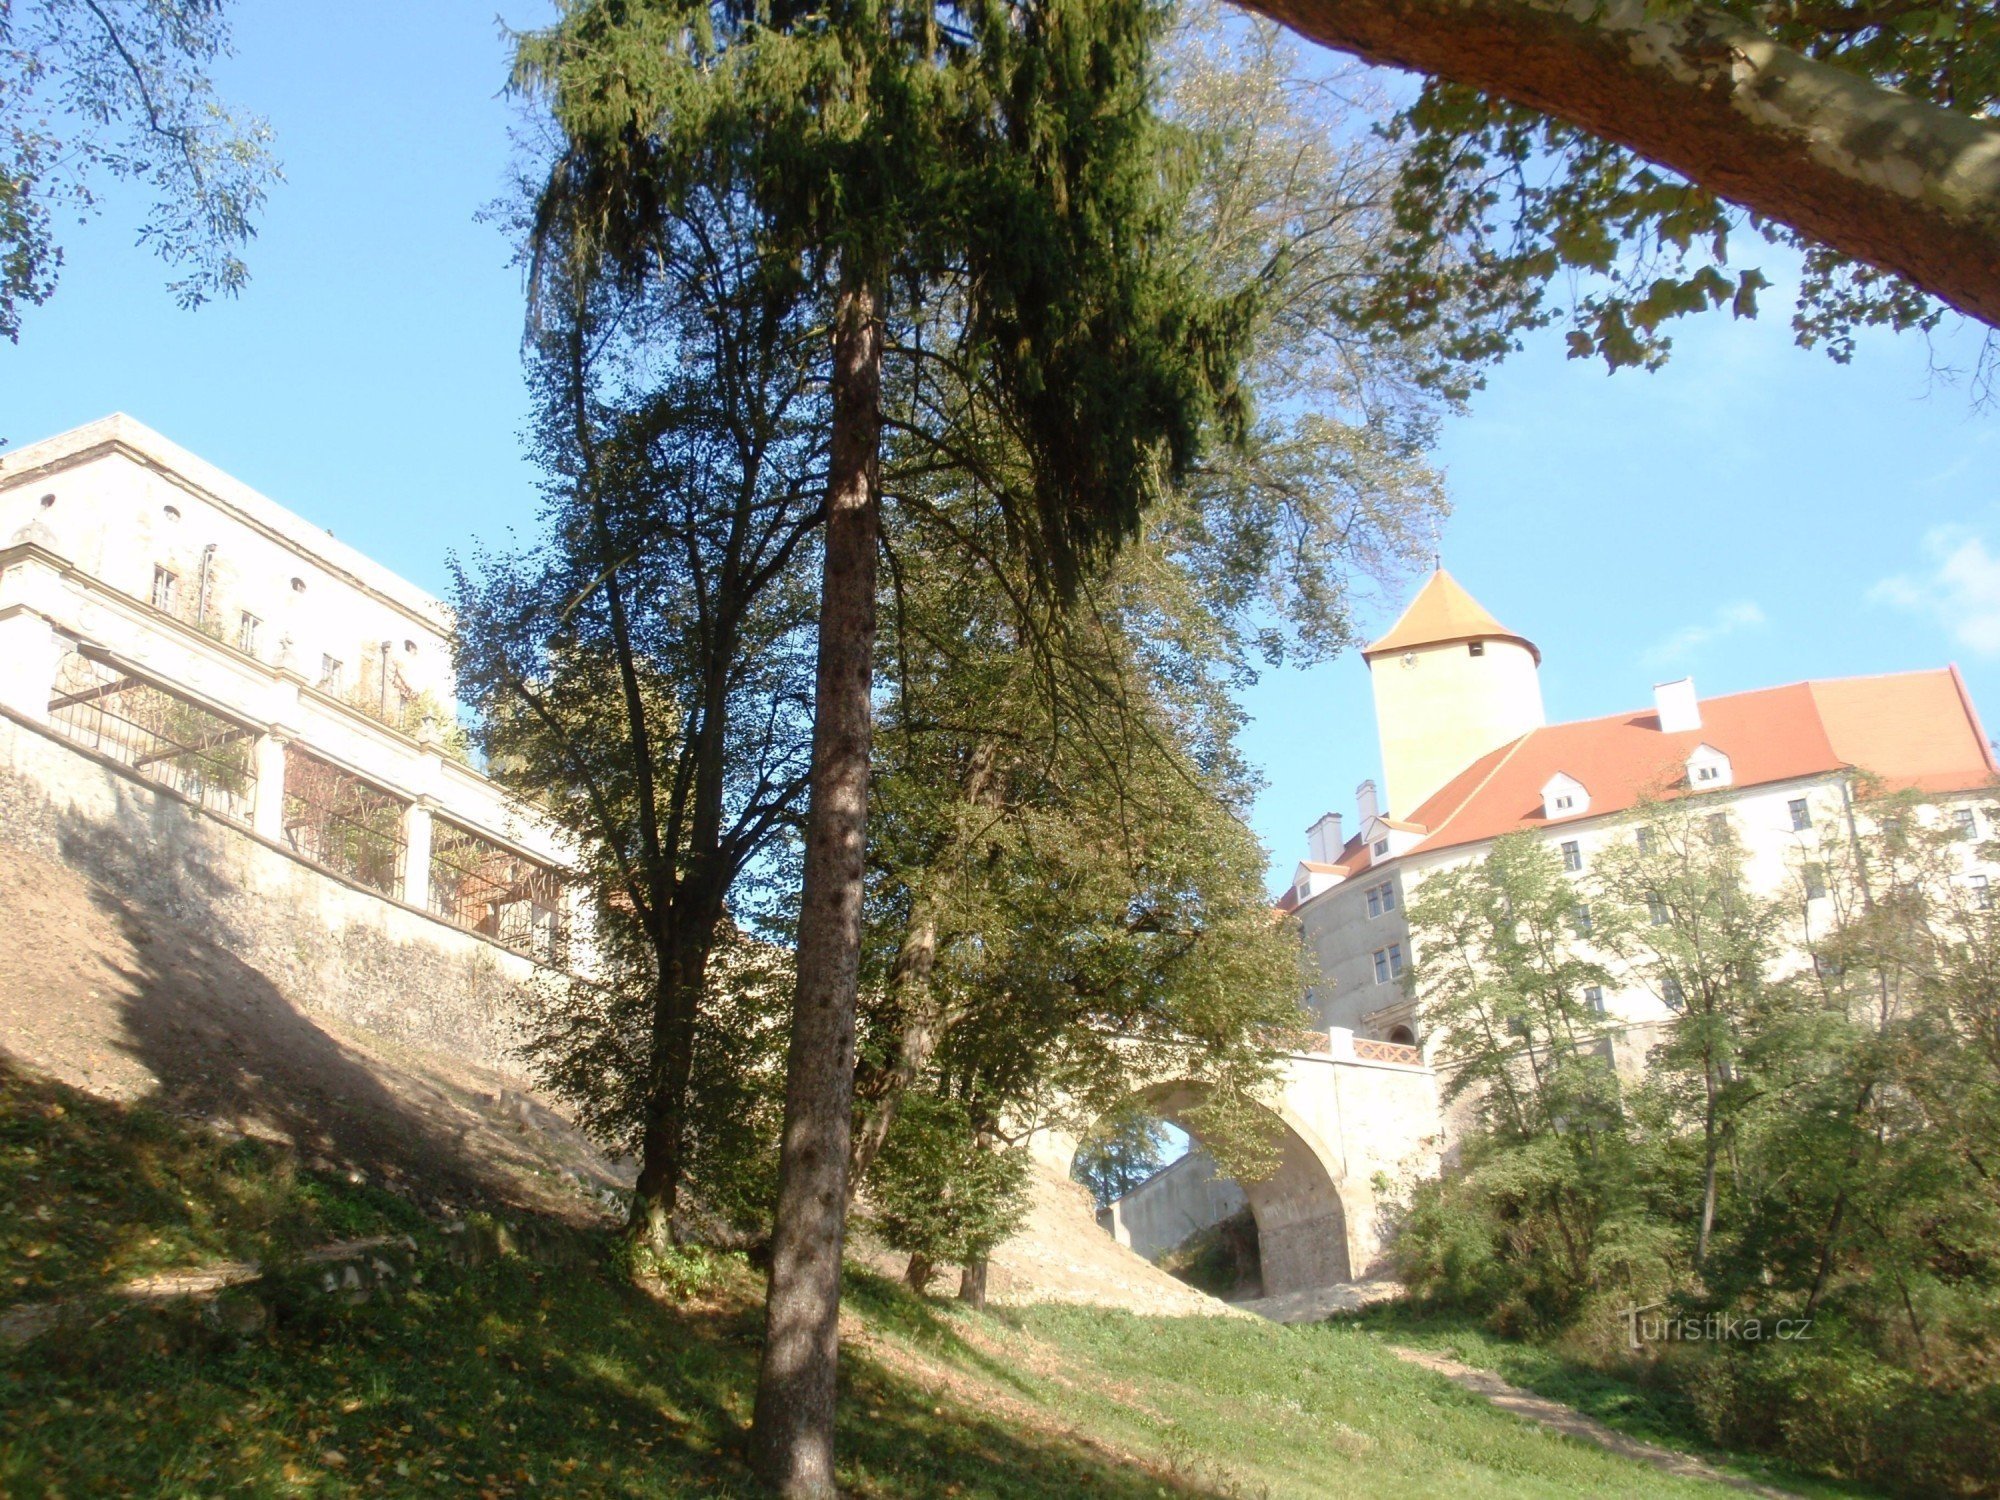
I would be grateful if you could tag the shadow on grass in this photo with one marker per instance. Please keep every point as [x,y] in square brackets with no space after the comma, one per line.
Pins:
[505,1379]
[98,1193]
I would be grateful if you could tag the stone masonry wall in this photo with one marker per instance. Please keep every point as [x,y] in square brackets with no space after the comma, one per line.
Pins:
[327,946]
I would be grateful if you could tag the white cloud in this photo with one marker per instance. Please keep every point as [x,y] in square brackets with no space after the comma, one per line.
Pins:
[1689,639]
[1961,591]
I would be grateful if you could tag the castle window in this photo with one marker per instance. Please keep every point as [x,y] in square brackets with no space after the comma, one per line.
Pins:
[1593,997]
[1656,908]
[1644,839]
[1982,893]
[1801,814]
[246,633]
[1815,876]
[1581,917]
[331,671]
[1718,828]
[166,590]
[1475,648]
[1572,855]
[1381,898]
[1965,822]
[1388,963]
[1672,993]
[1563,796]
[1708,767]
[1381,848]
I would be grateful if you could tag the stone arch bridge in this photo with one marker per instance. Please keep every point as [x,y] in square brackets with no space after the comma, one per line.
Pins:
[1349,1110]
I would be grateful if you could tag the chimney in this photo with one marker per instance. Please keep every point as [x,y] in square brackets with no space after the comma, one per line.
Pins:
[1323,840]
[1675,702]
[1369,805]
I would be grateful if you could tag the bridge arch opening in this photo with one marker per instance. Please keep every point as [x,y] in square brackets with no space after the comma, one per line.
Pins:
[1300,1218]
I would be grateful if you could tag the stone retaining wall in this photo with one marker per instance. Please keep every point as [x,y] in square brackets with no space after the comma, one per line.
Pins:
[326,945]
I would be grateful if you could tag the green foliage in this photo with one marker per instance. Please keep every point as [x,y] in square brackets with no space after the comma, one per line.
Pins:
[591,1042]
[1499,208]
[1118,1153]
[91,89]
[1222,1260]
[939,1190]
[1808,1142]
[567,1380]
[999,167]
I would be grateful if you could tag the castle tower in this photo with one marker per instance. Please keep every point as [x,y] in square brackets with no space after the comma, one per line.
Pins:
[1451,683]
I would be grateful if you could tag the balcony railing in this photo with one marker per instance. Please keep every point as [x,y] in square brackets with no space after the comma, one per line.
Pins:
[485,888]
[158,733]
[1367,1049]
[335,819]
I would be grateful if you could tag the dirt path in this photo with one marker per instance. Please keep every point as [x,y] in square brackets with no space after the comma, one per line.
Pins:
[1570,1422]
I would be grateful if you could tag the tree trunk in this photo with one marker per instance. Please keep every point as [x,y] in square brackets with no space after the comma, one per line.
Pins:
[918,1273]
[1708,1168]
[1872,172]
[972,1283]
[916,1039]
[656,1195]
[791,1436]
[923,1020]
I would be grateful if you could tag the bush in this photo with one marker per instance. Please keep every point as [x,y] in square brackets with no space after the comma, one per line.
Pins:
[937,1191]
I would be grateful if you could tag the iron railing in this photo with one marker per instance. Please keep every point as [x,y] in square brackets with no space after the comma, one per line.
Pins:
[158,733]
[337,820]
[485,888]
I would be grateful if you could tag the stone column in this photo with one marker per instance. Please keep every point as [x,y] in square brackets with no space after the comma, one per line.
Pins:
[30,652]
[267,820]
[417,852]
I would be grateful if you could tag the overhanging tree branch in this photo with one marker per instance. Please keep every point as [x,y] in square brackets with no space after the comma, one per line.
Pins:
[1871,172]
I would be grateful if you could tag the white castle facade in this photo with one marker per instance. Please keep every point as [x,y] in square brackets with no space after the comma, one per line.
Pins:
[1468,755]
[169,623]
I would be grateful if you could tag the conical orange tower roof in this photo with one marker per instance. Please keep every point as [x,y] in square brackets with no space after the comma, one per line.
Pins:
[1443,612]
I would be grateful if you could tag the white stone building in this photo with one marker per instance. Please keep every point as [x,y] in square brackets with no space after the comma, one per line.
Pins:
[168,621]
[1467,755]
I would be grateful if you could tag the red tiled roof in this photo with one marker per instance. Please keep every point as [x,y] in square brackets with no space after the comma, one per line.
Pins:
[1442,612]
[1913,729]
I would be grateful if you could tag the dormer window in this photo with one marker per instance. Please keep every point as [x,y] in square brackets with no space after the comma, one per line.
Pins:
[1381,847]
[1475,648]
[1708,768]
[1563,796]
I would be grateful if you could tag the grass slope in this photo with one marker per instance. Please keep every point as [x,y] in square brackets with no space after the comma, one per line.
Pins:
[515,1378]
[1653,1413]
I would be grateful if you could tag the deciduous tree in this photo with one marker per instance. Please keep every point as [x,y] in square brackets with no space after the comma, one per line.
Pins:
[120,89]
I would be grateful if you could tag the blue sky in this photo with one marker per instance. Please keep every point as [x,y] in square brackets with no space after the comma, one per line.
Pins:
[1752,514]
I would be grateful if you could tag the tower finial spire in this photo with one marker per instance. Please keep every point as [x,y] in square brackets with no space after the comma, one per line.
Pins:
[1437,548]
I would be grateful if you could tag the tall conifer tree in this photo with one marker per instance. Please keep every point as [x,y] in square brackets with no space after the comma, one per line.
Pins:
[1000,158]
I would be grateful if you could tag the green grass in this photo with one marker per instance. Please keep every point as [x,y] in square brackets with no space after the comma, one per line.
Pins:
[1654,1413]
[515,1378]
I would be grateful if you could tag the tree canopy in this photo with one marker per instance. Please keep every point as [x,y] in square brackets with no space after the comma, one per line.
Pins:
[120,89]
[1621,145]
